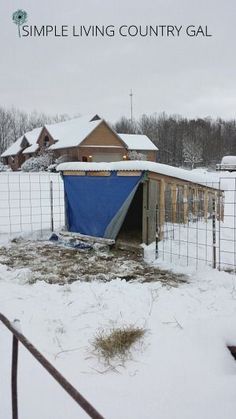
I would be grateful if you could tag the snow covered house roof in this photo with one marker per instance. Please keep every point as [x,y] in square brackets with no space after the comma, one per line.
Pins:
[137,142]
[14,149]
[67,134]
[71,133]
[31,149]
[139,165]
[31,137]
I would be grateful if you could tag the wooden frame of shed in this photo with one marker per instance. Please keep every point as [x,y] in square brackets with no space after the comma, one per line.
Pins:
[166,198]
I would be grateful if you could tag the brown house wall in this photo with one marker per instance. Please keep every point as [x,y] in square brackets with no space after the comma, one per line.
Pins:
[90,151]
[41,138]
[72,153]
[152,155]
[102,135]
[17,162]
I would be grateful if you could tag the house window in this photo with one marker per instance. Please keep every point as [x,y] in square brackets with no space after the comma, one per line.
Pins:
[46,141]
[84,158]
[12,159]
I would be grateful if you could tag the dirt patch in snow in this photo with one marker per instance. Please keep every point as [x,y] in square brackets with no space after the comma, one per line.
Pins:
[55,263]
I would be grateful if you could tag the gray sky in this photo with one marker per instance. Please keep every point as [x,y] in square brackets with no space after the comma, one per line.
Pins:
[188,76]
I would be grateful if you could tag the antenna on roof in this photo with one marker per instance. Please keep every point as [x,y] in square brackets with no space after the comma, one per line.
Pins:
[131,105]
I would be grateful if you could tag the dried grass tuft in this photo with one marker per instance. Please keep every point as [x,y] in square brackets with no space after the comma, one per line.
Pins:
[117,342]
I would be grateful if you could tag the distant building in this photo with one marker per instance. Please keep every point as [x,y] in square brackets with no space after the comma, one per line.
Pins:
[81,139]
[228,163]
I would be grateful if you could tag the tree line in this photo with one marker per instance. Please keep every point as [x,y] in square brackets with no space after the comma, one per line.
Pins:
[185,142]
[181,141]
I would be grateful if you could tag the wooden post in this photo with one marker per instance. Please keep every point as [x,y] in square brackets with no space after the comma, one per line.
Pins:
[195,201]
[174,202]
[206,202]
[214,232]
[145,213]
[185,199]
[162,207]
[51,205]
[152,210]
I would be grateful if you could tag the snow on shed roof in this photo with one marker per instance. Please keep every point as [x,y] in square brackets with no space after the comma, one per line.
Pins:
[16,147]
[132,165]
[228,160]
[72,132]
[137,142]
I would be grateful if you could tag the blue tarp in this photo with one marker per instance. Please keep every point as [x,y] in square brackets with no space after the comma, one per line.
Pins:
[97,205]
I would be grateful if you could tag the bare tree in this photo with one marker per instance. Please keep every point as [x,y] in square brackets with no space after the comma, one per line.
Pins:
[135,155]
[192,152]
[125,126]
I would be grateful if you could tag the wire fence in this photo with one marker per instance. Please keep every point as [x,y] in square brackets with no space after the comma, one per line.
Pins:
[31,202]
[34,202]
[206,236]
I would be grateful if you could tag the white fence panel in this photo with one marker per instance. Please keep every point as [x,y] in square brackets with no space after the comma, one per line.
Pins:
[25,202]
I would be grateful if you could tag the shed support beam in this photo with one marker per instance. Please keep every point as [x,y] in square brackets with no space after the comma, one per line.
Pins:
[145,213]
[185,203]
[206,204]
[174,202]
[162,208]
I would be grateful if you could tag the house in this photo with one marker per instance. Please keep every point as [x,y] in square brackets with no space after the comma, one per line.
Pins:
[228,163]
[86,139]
[14,156]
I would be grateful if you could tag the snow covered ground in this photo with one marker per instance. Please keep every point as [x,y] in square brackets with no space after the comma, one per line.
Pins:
[181,370]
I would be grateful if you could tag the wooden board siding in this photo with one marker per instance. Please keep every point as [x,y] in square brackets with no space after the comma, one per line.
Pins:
[150,206]
[131,173]
[103,135]
[91,151]
[95,173]
[74,173]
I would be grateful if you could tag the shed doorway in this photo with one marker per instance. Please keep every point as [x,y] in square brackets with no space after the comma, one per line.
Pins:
[131,230]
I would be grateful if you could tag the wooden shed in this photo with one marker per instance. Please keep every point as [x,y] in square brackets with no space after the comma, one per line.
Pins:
[155,194]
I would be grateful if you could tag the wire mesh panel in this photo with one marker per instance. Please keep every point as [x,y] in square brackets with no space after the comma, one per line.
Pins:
[29,202]
[227,225]
[190,233]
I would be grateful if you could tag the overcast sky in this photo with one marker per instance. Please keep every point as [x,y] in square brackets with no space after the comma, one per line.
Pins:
[188,76]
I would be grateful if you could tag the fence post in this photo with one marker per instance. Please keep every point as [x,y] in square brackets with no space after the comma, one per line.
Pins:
[214,232]
[51,205]
[157,230]
[14,366]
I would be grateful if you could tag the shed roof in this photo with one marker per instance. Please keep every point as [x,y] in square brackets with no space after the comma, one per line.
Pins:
[134,165]
[228,160]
